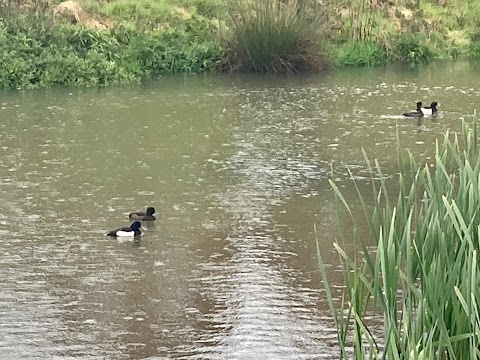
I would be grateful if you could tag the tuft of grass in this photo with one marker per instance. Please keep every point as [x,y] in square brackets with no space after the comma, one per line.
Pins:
[410,48]
[362,53]
[423,279]
[358,18]
[146,14]
[207,8]
[273,36]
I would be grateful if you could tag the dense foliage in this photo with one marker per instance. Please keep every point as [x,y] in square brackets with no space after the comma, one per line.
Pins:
[417,271]
[128,39]
[37,51]
[274,36]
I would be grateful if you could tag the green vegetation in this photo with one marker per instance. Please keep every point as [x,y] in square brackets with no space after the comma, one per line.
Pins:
[38,51]
[94,42]
[423,280]
[410,48]
[273,36]
[361,53]
[406,30]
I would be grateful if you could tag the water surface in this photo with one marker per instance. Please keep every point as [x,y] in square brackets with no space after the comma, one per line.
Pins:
[237,168]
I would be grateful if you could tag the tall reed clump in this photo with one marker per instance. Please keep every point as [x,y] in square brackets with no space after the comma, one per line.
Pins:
[273,36]
[423,281]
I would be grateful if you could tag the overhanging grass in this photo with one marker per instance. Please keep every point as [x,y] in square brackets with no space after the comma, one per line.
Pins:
[362,53]
[423,281]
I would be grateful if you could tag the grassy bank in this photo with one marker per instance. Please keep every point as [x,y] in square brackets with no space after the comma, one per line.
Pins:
[40,50]
[95,42]
[421,280]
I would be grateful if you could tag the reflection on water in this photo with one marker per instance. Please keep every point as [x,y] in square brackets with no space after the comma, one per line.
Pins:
[237,168]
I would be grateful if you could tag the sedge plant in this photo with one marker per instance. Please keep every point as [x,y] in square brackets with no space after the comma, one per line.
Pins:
[273,36]
[421,283]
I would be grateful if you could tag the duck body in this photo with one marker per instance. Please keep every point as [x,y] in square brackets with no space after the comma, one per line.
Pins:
[430,110]
[131,231]
[144,216]
[417,113]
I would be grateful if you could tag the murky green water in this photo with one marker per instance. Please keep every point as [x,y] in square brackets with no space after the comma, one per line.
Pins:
[237,168]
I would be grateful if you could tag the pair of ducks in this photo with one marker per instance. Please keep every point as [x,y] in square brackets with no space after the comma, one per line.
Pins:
[134,229]
[422,111]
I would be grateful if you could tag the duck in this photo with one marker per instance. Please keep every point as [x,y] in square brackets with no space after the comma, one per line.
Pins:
[144,216]
[133,230]
[430,110]
[417,113]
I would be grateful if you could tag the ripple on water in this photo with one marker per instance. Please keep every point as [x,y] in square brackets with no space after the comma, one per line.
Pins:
[258,310]
[227,271]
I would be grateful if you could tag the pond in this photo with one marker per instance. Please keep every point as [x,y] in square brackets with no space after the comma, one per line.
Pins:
[237,168]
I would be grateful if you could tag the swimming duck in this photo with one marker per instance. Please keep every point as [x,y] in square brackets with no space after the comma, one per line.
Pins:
[416,113]
[144,216]
[133,230]
[430,110]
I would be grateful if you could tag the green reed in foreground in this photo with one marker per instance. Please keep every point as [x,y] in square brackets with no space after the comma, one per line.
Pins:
[423,280]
